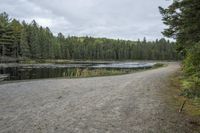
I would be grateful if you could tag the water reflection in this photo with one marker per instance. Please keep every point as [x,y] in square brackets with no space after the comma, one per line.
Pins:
[41,71]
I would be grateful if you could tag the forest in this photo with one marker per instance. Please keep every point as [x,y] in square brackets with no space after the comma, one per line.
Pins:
[23,40]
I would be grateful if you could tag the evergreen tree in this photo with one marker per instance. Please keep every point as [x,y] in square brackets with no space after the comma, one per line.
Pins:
[182,18]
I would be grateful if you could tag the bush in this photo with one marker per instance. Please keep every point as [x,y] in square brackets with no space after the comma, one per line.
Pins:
[191,87]
[191,68]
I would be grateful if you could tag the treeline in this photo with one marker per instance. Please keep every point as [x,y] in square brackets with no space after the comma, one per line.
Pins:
[35,42]
[183,19]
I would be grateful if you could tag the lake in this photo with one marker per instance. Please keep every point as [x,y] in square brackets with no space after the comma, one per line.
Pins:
[43,71]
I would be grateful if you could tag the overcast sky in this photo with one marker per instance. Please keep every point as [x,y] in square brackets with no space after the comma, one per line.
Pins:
[124,19]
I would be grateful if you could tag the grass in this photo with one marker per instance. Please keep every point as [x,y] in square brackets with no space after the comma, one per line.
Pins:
[80,73]
[192,106]
[97,72]
[157,65]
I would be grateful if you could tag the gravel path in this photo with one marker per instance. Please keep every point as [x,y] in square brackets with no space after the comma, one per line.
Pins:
[116,104]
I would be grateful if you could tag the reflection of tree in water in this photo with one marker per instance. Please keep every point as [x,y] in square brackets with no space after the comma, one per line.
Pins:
[30,72]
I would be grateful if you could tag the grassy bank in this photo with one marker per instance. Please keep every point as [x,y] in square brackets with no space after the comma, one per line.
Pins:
[176,100]
[79,73]
[192,106]
[187,81]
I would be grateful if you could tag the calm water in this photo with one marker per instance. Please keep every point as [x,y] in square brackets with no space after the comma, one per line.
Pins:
[41,71]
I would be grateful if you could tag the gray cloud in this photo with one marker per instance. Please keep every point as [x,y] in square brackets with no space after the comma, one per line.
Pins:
[127,19]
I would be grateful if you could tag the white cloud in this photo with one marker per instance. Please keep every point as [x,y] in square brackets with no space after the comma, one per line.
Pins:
[127,19]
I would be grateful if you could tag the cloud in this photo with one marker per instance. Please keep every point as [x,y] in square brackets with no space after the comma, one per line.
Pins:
[127,19]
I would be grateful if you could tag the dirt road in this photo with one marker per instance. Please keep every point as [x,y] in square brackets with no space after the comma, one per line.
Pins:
[116,104]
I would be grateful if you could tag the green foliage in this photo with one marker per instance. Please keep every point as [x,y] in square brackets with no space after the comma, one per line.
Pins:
[191,67]
[182,18]
[191,87]
[192,62]
[9,36]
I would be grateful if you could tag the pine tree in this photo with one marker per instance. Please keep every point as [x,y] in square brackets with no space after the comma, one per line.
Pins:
[182,18]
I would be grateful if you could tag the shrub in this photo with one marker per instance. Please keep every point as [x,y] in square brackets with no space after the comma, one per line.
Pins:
[191,68]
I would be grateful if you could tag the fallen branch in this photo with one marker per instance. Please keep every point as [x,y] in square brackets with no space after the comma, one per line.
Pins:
[182,106]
